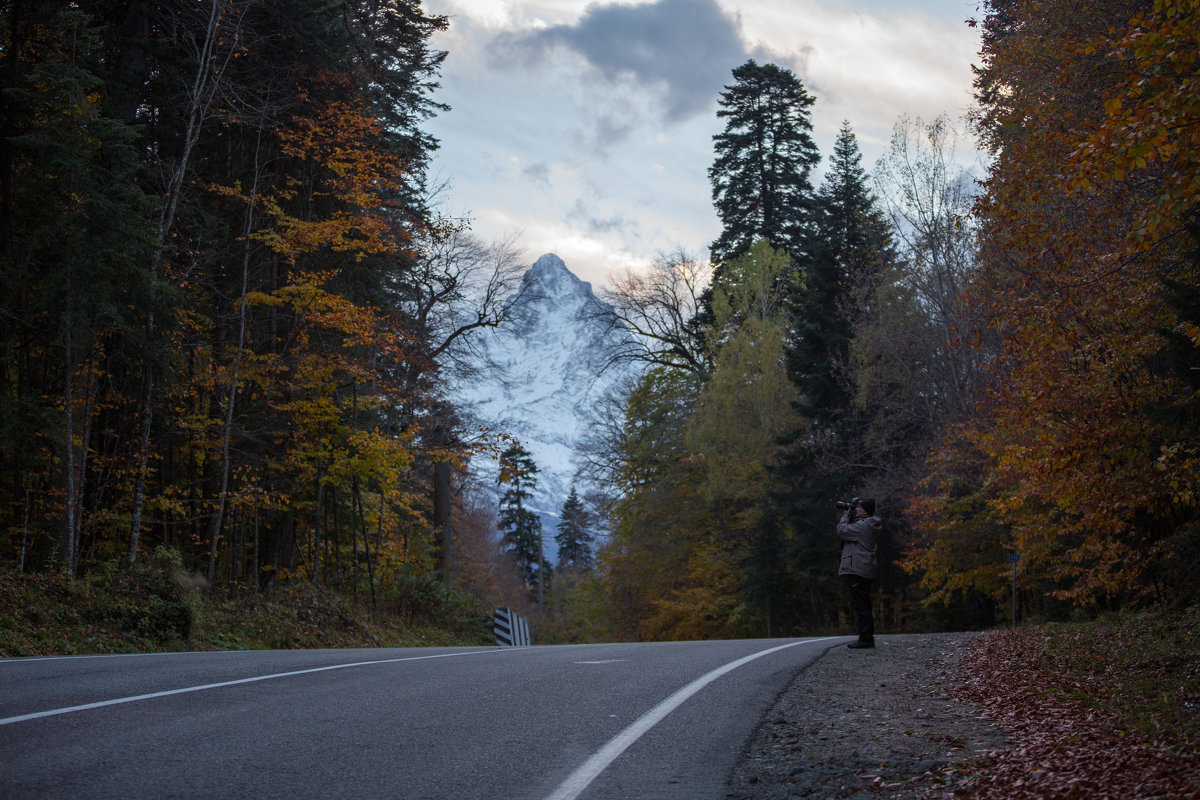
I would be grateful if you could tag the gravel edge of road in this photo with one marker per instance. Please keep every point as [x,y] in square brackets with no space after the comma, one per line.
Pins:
[865,724]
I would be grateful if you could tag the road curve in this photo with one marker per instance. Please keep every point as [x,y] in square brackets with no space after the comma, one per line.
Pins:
[618,721]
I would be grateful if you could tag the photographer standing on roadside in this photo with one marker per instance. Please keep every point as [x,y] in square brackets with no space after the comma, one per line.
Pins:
[859,531]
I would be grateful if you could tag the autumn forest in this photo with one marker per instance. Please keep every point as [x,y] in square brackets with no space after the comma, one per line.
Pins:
[232,317]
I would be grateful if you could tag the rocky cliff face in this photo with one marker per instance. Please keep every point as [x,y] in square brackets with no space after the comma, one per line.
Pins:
[547,373]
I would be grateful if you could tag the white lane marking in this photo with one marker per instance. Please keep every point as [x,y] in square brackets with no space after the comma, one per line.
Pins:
[20,659]
[579,780]
[188,689]
[605,661]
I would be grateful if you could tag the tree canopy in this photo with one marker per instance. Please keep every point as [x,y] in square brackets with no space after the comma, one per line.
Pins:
[762,161]
[232,314]
[209,228]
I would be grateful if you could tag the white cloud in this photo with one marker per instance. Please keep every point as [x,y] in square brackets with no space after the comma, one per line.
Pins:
[610,116]
[870,65]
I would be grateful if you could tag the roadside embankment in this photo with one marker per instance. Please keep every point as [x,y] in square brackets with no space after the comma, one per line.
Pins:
[1071,712]
[866,723]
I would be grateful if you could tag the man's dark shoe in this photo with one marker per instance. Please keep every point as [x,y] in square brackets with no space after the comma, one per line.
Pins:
[860,645]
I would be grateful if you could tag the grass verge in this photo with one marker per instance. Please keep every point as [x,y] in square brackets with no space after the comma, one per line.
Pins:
[147,609]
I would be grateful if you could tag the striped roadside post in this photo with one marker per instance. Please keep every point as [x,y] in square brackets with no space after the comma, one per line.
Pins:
[510,629]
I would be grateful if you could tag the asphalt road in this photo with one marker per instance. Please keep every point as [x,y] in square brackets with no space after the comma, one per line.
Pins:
[615,721]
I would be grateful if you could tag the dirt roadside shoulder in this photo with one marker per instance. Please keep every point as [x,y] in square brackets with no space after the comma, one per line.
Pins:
[865,724]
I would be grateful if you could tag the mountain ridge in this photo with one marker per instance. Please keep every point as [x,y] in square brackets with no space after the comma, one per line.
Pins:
[544,376]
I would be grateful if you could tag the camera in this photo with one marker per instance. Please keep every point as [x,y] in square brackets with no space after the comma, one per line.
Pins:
[843,506]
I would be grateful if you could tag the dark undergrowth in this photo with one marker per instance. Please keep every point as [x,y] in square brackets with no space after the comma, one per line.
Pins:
[154,606]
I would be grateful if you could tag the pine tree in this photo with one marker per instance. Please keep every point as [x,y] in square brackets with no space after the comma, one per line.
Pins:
[521,527]
[75,231]
[760,176]
[819,459]
[573,538]
[852,244]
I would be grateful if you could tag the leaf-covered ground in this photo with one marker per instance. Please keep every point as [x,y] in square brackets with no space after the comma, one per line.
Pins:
[1099,710]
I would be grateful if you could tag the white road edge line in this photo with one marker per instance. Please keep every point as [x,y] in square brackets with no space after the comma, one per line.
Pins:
[21,659]
[54,712]
[579,780]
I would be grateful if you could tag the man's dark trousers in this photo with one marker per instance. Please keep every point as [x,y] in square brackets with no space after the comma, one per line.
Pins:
[860,605]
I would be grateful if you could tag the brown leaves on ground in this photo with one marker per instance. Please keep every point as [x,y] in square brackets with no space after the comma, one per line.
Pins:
[1102,711]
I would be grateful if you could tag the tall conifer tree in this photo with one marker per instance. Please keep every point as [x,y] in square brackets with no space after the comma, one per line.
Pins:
[573,538]
[818,461]
[760,176]
[74,238]
[852,243]
[521,527]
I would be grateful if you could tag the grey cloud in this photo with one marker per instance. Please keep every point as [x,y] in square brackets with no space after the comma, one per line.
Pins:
[615,223]
[538,172]
[598,226]
[687,47]
[610,131]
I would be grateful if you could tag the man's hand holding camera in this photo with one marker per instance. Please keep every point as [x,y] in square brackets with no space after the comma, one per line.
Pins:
[853,509]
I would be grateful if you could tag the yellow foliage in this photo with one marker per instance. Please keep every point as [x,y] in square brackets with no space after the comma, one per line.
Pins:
[1065,450]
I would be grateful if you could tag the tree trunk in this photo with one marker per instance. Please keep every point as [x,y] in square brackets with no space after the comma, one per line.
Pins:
[441,518]
[318,519]
[70,554]
[202,93]
[86,436]
[218,516]
[366,538]
[541,575]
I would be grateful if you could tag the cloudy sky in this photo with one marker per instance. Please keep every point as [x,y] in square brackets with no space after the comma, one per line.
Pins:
[585,128]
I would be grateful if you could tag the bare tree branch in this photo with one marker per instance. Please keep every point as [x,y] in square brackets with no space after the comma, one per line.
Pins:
[659,308]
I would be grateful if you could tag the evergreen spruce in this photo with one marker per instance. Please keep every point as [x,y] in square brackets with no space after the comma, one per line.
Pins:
[574,538]
[760,176]
[822,460]
[75,233]
[851,245]
[521,527]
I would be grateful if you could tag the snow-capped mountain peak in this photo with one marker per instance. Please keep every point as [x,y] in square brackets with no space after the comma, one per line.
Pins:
[550,278]
[546,374]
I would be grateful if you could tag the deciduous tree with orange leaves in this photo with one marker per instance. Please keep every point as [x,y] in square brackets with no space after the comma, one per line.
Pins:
[1077,455]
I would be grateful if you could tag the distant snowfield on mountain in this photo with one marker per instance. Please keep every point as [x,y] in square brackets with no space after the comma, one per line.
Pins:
[546,376]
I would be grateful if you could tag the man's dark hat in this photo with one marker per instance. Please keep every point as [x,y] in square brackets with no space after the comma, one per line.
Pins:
[868,506]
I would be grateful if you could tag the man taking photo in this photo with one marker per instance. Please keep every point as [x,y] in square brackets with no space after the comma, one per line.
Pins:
[859,531]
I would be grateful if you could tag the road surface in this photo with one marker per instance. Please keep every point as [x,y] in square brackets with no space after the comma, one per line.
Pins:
[615,721]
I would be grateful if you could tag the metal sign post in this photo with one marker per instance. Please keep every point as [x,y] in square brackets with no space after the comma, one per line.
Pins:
[1014,558]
